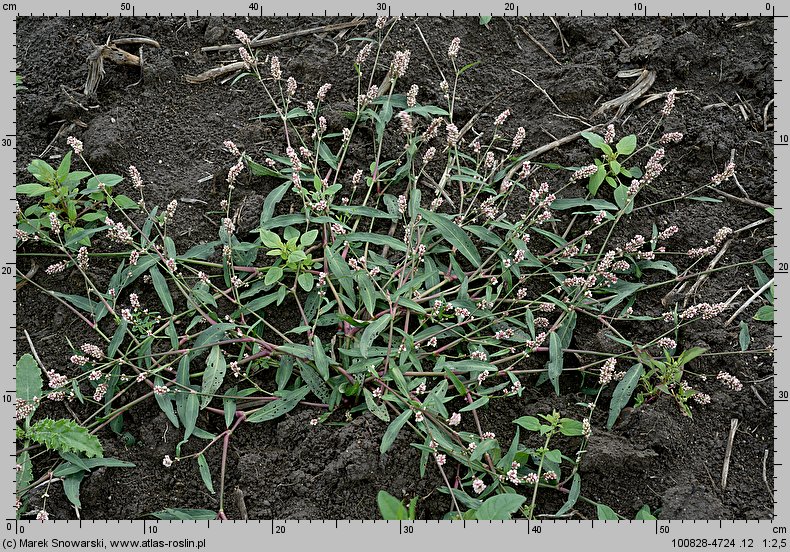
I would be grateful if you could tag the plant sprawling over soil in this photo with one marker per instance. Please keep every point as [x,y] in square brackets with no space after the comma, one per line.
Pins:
[420,261]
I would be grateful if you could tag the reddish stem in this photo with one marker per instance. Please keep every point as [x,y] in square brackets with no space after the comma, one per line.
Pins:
[240,417]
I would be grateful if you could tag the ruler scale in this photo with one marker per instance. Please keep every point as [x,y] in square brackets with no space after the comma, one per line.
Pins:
[394,535]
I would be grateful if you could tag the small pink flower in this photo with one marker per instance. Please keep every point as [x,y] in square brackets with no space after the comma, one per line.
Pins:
[584,172]
[231,147]
[235,171]
[400,62]
[669,104]
[608,137]
[364,52]
[79,360]
[76,145]
[249,61]
[501,118]
[137,180]
[701,398]
[411,95]
[452,134]
[98,395]
[54,223]
[290,87]
[730,381]
[512,476]
[323,91]
[242,37]
[531,478]
[455,46]
[667,343]
[670,137]
[276,71]
[518,139]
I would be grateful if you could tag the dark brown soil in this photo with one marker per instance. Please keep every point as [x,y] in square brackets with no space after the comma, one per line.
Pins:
[173,133]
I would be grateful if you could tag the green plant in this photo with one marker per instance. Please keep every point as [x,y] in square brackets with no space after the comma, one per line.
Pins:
[79,450]
[292,256]
[63,436]
[609,166]
[666,377]
[392,508]
[766,312]
[428,282]
[80,209]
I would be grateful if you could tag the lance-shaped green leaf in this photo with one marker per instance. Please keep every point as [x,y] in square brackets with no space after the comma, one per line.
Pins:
[165,402]
[341,272]
[393,429]
[622,393]
[277,408]
[190,414]
[28,378]
[213,376]
[321,360]
[182,379]
[376,239]
[378,410]
[272,200]
[366,291]
[605,512]
[454,234]
[205,473]
[555,361]
[185,514]
[744,339]
[160,285]
[371,333]
[71,486]
[573,495]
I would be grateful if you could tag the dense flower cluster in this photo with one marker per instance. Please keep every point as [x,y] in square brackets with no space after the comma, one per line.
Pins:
[584,172]
[730,381]
[669,103]
[400,63]
[75,144]
[705,310]
[455,45]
